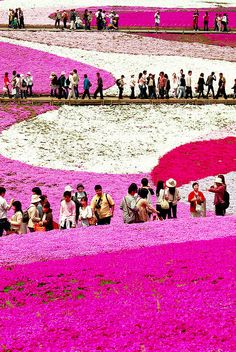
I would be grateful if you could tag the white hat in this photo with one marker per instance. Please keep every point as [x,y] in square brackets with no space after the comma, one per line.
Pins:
[218,180]
[171,182]
[35,199]
[28,74]
[63,73]
[68,188]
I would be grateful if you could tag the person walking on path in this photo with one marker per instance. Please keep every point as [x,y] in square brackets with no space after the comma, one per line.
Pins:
[87,85]
[120,83]
[173,196]
[209,82]
[99,88]
[58,19]
[103,206]
[201,84]
[221,87]
[189,92]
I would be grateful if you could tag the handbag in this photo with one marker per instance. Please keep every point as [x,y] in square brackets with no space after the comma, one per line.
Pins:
[198,208]
[39,228]
[164,203]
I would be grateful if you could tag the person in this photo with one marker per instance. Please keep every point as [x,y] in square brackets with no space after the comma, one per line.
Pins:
[4,207]
[219,189]
[226,194]
[99,19]
[6,84]
[160,196]
[62,91]
[201,83]
[72,19]
[234,89]
[99,88]
[145,184]
[206,21]
[132,87]
[77,198]
[195,20]
[151,86]
[218,22]
[161,85]
[90,17]
[29,84]
[167,86]
[23,87]
[67,212]
[10,17]
[33,212]
[103,206]
[120,84]
[174,85]
[76,82]
[16,222]
[13,83]
[86,20]
[87,85]
[224,22]
[38,192]
[216,28]
[85,212]
[53,84]
[144,207]
[71,94]
[157,18]
[189,92]
[64,18]
[209,82]
[78,22]
[197,202]
[47,218]
[58,19]
[104,19]
[17,85]
[221,87]
[172,195]
[128,205]
[181,87]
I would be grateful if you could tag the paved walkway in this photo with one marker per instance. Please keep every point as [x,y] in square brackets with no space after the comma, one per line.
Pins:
[111,100]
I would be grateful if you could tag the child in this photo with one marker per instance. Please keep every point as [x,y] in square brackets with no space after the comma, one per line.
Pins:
[47,219]
[85,212]
[234,88]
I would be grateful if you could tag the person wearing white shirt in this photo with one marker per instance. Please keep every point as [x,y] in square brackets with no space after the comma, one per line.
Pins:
[4,207]
[85,212]
[67,212]
[188,81]
[132,86]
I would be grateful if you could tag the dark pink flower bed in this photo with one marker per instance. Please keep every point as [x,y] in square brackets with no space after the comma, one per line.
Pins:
[170,18]
[41,64]
[221,39]
[176,297]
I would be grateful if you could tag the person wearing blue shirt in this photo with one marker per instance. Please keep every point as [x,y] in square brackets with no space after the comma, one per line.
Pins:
[87,85]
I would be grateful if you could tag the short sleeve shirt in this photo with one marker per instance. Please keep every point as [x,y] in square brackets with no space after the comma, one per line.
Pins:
[104,211]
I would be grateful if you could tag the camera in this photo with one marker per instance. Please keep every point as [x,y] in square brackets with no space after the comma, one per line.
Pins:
[98,206]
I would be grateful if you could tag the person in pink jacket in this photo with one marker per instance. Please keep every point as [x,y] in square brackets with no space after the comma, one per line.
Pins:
[67,212]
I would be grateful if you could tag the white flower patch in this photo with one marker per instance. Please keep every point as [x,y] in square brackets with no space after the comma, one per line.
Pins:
[113,139]
[205,183]
[127,64]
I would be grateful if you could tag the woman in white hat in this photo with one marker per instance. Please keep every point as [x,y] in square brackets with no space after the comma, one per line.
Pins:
[29,82]
[219,189]
[33,212]
[172,196]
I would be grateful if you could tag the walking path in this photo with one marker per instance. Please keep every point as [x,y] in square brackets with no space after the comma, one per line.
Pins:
[112,100]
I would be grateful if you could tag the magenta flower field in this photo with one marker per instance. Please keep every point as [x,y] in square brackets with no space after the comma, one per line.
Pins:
[170,18]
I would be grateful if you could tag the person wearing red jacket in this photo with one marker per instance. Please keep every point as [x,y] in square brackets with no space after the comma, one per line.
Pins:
[197,202]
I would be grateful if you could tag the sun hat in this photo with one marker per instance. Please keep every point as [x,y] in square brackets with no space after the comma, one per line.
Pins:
[218,180]
[171,182]
[28,74]
[35,199]
[68,188]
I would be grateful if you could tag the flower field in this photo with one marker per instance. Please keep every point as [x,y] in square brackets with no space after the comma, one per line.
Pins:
[158,286]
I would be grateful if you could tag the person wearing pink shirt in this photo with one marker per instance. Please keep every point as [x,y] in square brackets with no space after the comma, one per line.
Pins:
[67,212]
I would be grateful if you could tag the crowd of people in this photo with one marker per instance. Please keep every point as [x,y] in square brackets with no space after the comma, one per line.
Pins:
[221,22]
[137,206]
[73,20]
[148,87]
[16,18]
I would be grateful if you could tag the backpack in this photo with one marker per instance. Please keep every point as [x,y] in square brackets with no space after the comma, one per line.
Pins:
[25,217]
[118,82]
[23,83]
[226,200]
